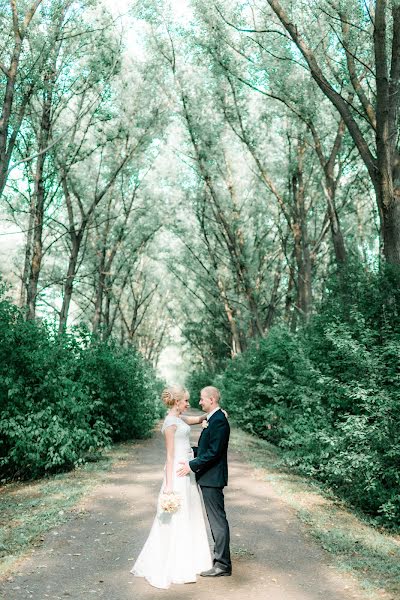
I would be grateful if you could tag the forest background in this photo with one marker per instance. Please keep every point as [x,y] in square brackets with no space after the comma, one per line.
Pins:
[212,187]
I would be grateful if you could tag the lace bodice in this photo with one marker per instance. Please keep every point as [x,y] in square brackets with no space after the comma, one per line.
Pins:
[182,448]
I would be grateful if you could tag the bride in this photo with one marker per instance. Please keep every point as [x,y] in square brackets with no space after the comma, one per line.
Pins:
[177,547]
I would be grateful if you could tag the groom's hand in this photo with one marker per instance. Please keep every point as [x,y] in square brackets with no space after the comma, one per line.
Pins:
[184,469]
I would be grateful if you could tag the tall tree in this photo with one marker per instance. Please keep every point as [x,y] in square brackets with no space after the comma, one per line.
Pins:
[382,157]
[20,79]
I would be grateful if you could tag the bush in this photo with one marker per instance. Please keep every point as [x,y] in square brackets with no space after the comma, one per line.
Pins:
[124,388]
[330,395]
[267,385]
[62,401]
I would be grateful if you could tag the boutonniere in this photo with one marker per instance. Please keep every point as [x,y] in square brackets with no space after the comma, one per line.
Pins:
[204,424]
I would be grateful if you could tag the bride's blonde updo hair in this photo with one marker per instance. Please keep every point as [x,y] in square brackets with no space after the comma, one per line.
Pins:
[172,394]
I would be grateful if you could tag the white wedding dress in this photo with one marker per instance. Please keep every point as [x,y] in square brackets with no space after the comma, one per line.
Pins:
[177,547]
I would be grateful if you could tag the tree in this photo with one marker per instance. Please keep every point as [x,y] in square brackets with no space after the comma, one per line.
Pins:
[381,115]
[18,32]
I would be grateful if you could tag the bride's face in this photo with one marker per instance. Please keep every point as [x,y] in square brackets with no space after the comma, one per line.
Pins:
[182,405]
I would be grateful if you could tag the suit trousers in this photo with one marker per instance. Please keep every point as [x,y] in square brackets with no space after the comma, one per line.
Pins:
[215,507]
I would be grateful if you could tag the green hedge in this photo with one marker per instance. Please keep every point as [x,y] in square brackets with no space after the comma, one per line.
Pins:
[126,391]
[63,400]
[329,396]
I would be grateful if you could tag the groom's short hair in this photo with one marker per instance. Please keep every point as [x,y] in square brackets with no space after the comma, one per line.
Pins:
[210,390]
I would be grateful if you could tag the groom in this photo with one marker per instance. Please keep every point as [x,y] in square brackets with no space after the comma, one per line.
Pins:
[211,468]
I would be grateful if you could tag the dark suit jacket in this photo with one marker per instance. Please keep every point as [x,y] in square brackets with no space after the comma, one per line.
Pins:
[211,463]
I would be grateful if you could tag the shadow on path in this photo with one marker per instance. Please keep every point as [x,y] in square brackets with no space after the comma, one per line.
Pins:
[91,555]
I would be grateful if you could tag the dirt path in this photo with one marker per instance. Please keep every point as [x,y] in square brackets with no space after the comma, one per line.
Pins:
[91,555]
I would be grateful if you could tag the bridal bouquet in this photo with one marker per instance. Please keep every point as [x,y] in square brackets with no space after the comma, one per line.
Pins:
[170,503]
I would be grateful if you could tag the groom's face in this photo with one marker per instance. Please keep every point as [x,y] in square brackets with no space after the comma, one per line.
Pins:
[206,402]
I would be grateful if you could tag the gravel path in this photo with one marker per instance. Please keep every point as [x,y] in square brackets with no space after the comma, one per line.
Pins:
[90,556]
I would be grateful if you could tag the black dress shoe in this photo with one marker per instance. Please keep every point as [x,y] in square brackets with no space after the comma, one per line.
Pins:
[216,572]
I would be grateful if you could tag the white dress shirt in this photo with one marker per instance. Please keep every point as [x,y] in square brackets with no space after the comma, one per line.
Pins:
[212,412]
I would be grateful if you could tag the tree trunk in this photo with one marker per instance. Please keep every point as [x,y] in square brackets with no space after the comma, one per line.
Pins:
[329,187]
[122,335]
[39,196]
[336,231]
[274,299]
[236,346]
[387,184]
[303,262]
[6,111]
[107,319]
[69,282]
[290,290]
[28,254]
[107,256]
[98,306]
[390,216]
[301,242]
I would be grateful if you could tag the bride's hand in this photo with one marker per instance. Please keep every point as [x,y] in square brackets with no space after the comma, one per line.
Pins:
[167,490]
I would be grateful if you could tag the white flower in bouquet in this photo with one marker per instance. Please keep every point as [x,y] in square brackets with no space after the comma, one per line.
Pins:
[170,503]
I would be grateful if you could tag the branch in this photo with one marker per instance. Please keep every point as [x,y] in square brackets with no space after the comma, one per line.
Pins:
[193,292]
[15,19]
[37,154]
[336,146]
[5,70]
[249,30]
[336,99]
[263,174]
[366,104]
[343,20]
[29,15]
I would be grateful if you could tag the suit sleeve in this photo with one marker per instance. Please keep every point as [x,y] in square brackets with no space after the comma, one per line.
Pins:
[217,442]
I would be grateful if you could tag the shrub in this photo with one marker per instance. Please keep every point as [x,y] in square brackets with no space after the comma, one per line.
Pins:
[63,400]
[123,386]
[265,387]
[47,419]
[330,394]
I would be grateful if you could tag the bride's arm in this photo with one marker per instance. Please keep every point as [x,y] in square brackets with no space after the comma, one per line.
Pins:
[169,467]
[198,420]
[194,420]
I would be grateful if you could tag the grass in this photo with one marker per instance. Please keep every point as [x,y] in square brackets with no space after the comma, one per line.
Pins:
[372,555]
[29,509]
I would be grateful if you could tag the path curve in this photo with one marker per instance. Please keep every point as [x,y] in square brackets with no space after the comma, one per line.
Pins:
[91,555]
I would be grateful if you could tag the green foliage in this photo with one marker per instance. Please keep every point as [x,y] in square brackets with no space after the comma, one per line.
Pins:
[62,401]
[268,383]
[123,387]
[330,395]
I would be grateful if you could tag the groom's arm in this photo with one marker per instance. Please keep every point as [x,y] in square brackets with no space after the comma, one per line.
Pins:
[217,442]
